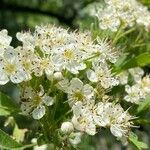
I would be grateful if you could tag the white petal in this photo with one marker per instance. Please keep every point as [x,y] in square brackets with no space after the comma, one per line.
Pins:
[49,71]
[26,107]
[3,78]
[39,112]
[81,66]
[72,68]
[76,84]
[77,108]
[88,91]
[28,92]
[77,125]
[48,101]
[10,55]
[91,129]
[58,60]
[91,75]
[18,77]
[116,131]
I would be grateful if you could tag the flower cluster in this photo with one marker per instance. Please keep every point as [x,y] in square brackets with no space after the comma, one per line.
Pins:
[138,91]
[72,64]
[123,12]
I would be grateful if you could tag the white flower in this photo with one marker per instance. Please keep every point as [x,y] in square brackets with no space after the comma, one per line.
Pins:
[69,57]
[102,74]
[134,93]
[108,19]
[67,127]
[27,39]
[5,41]
[107,51]
[113,116]
[77,91]
[34,102]
[83,119]
[43,65]
[10,68]
[139,91]
[26,58]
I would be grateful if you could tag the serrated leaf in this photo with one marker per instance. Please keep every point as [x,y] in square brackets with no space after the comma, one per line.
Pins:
[134,139]
[6,142]
[7,106]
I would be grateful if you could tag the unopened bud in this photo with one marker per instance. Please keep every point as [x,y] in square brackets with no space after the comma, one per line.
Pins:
[58,76]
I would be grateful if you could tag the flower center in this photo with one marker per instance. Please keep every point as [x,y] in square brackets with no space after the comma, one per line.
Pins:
[27,65]
[10,68]
[37,100]
[45,63]
[69,54]
[79,96]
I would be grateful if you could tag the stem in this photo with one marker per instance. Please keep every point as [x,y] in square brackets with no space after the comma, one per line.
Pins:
[45,128]
[127,32]
[94,56]
[117,35]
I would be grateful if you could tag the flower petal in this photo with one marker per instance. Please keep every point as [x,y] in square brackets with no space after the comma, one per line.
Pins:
[38,112]
[3,78]
[91,75]
[48,101]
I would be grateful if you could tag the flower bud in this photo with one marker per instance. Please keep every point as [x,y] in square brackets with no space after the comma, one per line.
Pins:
[67,127]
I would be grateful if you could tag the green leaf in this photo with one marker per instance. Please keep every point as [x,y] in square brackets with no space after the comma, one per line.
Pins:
[143,59]
[7,106]
[134,139]
[6,142]
[125,63]
[144,106]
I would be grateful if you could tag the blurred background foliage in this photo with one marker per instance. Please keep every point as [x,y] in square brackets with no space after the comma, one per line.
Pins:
[18,15]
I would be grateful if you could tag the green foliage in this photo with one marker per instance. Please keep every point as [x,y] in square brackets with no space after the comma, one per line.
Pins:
[6,142]
[7,106]
[134,139]
[144,107]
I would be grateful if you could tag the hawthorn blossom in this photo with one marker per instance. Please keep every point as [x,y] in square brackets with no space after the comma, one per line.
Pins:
[77,91]
[34,102]
[10,68]
[101,73]
[83,119]
[107,114]
[69,57]
[138,91]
